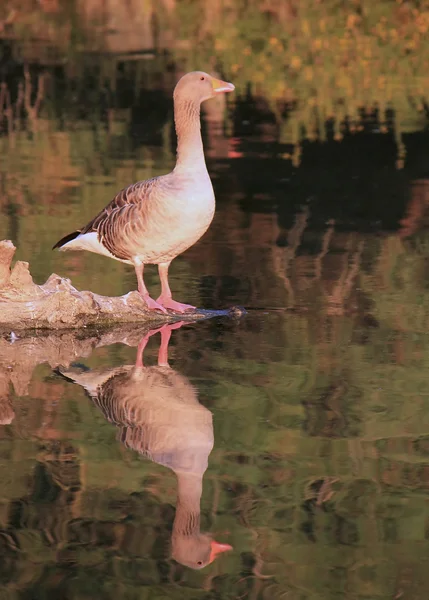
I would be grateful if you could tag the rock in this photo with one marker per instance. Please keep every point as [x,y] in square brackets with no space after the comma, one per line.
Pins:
[58,305]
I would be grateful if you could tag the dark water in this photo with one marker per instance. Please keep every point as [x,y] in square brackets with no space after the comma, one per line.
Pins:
[315,403]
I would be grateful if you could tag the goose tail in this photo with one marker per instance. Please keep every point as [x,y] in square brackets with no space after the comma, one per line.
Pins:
[67,238]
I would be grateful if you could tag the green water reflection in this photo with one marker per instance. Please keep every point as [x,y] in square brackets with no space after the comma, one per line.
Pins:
[317,478]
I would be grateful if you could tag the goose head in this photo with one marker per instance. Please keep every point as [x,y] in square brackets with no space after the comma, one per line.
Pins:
[196,551]
[197,86]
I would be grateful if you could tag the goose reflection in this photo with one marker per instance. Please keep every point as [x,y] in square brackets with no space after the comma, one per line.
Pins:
[158,414]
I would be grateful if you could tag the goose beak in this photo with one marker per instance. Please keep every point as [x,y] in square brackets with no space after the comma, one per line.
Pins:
[220,86]
[218,548]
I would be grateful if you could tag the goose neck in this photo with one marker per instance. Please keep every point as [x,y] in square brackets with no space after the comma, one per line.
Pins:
[189,490]
[190,152]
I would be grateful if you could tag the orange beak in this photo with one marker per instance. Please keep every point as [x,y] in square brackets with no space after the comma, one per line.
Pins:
[217,549]
[220,86]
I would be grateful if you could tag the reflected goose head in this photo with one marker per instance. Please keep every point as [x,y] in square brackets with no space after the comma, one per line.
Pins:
[197,551]
[198,86]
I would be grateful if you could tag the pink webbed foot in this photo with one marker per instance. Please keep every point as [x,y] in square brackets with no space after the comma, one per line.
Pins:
[153,304]
[167,302]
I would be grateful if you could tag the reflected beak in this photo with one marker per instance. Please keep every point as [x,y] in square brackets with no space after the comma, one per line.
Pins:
[218,549]
[220,86]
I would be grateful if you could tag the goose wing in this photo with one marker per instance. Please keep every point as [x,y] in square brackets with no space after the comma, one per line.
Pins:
[134,195]
[128,208]
[130,205]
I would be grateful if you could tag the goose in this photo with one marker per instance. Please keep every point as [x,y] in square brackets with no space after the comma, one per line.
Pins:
[153,221]
[157,413]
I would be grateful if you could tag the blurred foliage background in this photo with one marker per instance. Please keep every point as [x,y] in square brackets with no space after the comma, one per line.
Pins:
[322,60]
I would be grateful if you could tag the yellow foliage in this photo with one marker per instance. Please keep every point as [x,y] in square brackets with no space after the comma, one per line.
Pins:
[295,62]
[422,22]
[352,20]
[308,73]
[220,44]
[279,89]
[368,50]
[305,27]
[381,81]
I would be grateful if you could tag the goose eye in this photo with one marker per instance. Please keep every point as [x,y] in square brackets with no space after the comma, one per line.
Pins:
[202,78]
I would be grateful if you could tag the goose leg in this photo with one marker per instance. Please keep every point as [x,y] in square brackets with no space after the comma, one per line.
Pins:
[143,291]
[140,350]
[166,299]
[165,339]
[143,343]
[165,331]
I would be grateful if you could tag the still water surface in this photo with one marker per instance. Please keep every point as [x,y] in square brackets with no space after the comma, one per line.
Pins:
[299,434]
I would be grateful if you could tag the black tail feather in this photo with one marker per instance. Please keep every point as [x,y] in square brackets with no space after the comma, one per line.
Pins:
[67,238]
[80,368]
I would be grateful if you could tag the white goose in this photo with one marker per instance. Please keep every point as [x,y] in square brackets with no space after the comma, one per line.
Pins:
[153,221]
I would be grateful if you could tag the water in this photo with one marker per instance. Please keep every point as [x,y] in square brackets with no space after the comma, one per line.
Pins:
[310,411]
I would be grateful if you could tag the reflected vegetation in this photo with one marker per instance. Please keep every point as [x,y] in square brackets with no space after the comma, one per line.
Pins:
[319,475]
[319,465]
